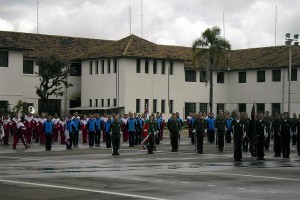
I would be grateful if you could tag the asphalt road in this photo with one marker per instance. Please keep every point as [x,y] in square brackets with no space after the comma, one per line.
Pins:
[93,173]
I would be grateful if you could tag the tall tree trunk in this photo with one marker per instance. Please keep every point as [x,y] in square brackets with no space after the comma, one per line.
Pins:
[211,92]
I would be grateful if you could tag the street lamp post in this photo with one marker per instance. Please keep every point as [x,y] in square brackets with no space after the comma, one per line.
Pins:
[290,42]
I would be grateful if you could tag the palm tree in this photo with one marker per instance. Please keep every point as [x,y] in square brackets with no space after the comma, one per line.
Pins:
[211,51]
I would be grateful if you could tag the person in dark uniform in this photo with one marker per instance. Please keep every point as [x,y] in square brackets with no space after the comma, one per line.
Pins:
[199,127]
[246,122]
[173,127]
[151,132]
[277,137]
[115,130]
[268,120]
[221,126]
[298,135]
[285,132]
[293,129]
[238,135]
[228,128]
[261,134]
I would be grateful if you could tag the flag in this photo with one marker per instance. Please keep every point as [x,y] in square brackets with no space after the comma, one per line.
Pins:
[253,112]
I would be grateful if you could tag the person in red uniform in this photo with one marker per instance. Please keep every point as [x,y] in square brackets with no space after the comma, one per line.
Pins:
[7,125]
[84,129]
[35,130]
[55,121]
[28,122]
[19,133]
[61,126]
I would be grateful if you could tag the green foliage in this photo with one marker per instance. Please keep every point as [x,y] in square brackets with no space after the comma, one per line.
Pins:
[21,107]
[4,108]
[53,73]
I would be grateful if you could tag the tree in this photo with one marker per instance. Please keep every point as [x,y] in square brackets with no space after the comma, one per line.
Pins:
[53,73]
[210,52]
[21,107]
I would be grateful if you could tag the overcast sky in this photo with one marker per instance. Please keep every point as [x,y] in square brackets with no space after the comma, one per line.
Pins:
[248,23]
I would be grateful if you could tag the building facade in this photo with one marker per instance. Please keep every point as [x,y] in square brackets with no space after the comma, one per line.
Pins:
[135,75]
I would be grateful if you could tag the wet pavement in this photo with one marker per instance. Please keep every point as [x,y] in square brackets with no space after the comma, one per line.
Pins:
[93,173]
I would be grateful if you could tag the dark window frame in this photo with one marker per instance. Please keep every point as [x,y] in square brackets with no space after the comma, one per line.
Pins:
[203,76]
[203,108]
[91,68]
[138,105]
[91,102]
[138,65]
[190,75]
[242,107]
[261,76]
[115,102]
[146,66]
[274,109]
[163,106]
[102,66]
[154,66]
[154,106]
[242,77]
[294,75]
[96,102]
[28,66]
[163,67]
[108,102]
[221,77]
[276,77]
[4,58]
[115,66]
[171,106]
[76,71]
[259,107]
[108,66]
[96,67]
[171,68]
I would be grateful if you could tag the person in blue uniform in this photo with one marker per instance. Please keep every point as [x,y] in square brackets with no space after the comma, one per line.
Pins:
[48,130]
[211,126]
[99,124]
[76,121]
[91,124]
[131,129]
[72,129]
[107,131]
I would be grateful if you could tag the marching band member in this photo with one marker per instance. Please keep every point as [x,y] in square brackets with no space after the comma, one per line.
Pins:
[92,128]
[84,129]
[7,126]
[99,125]
[115,129]
[139,124]
[19,133]
[104,120]
[55,121]
[48,130]
[29,123]
[124,128]
[107,131]
[151,132]
[76,120]
[158,127]
[131,129]
[61,126]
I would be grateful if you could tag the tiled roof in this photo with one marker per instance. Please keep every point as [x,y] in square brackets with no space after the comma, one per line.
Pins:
[73,48]
[42,45]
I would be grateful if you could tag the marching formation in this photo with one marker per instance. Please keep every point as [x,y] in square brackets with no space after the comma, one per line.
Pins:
[247,135]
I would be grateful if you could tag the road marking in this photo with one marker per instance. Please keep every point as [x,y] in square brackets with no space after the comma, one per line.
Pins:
[251,176]
[241,188]
[81,189]
[211,185]
[184,182]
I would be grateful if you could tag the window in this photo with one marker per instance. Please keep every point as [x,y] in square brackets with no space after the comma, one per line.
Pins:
[202,76]
[163,67]
[3,58]
[203,108]
[242,107]
[108,66]
[275,108]
[171,102]
[154,67]
[91,67]
[96,67]
[163,102]
[4,106]
[75,69]
[260,107]
[190,76]
[276,75]
[220,106]
[115,102]
[115,65]
[137,105]
[91,103]
[146,105]
[154,106]
[108,102]
[171,68]
[75,103]
[242,77]
[138,66]
[261,76]
[220,77]
[102,102]
[294,75]
[27,66]
[96,102]
[102,66]
[146,66]
[189,108]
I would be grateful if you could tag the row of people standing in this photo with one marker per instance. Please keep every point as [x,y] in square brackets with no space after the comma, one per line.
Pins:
[248,135]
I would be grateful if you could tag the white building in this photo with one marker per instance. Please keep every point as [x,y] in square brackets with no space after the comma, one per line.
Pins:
[133,74]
